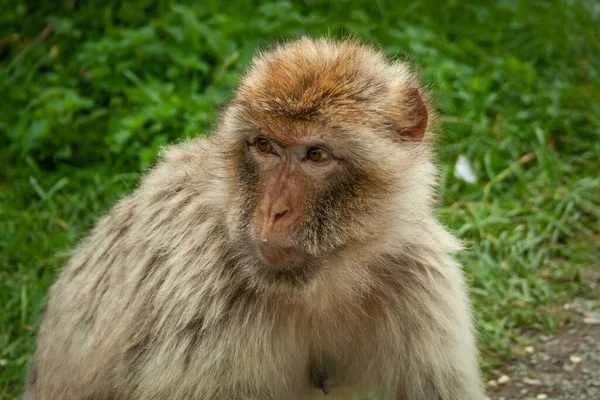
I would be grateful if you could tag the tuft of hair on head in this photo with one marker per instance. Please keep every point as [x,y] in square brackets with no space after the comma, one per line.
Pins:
[343,82]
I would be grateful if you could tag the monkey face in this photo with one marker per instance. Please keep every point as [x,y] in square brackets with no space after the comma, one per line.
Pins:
[289,172]
[303,194]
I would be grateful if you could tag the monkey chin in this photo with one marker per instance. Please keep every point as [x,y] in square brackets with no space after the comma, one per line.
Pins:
[281,256]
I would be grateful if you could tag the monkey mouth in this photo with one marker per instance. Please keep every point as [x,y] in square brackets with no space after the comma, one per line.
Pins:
[280,255]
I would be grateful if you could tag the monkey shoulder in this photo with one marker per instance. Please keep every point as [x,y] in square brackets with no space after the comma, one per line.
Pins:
[172,200]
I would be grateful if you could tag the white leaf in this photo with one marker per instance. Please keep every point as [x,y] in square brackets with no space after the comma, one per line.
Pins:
[463,170]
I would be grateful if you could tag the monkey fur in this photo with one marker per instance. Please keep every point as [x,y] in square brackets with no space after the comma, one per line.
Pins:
[356,294]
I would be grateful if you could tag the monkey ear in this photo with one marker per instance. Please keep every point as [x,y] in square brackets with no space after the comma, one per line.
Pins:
[415,115]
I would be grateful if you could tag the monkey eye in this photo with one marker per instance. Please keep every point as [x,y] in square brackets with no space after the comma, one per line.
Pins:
[316,154]
[263,145]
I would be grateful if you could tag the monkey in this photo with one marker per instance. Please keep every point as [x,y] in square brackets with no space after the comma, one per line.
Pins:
[291,253]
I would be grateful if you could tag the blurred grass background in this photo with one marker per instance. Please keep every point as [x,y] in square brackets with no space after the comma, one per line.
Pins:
[90,90]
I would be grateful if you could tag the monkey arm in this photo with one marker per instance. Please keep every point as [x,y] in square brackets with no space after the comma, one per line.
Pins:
[439,357]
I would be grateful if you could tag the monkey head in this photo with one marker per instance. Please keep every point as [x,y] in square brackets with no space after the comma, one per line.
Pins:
[325,148]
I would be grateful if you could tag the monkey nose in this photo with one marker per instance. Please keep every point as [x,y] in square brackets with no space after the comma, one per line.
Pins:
[271,214]
[279,214]
[276,209]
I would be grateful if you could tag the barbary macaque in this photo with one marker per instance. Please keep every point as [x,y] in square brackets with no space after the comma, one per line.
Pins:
[293,253]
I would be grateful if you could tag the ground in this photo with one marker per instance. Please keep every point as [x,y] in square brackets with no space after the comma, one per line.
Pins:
[565,366]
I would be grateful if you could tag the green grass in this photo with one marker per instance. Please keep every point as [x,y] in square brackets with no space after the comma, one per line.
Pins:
[84,110]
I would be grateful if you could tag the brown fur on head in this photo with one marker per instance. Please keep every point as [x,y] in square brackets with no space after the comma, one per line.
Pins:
[372,117]
[332,84]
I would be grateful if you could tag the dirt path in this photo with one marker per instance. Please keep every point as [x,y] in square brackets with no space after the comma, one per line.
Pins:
[561,367]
